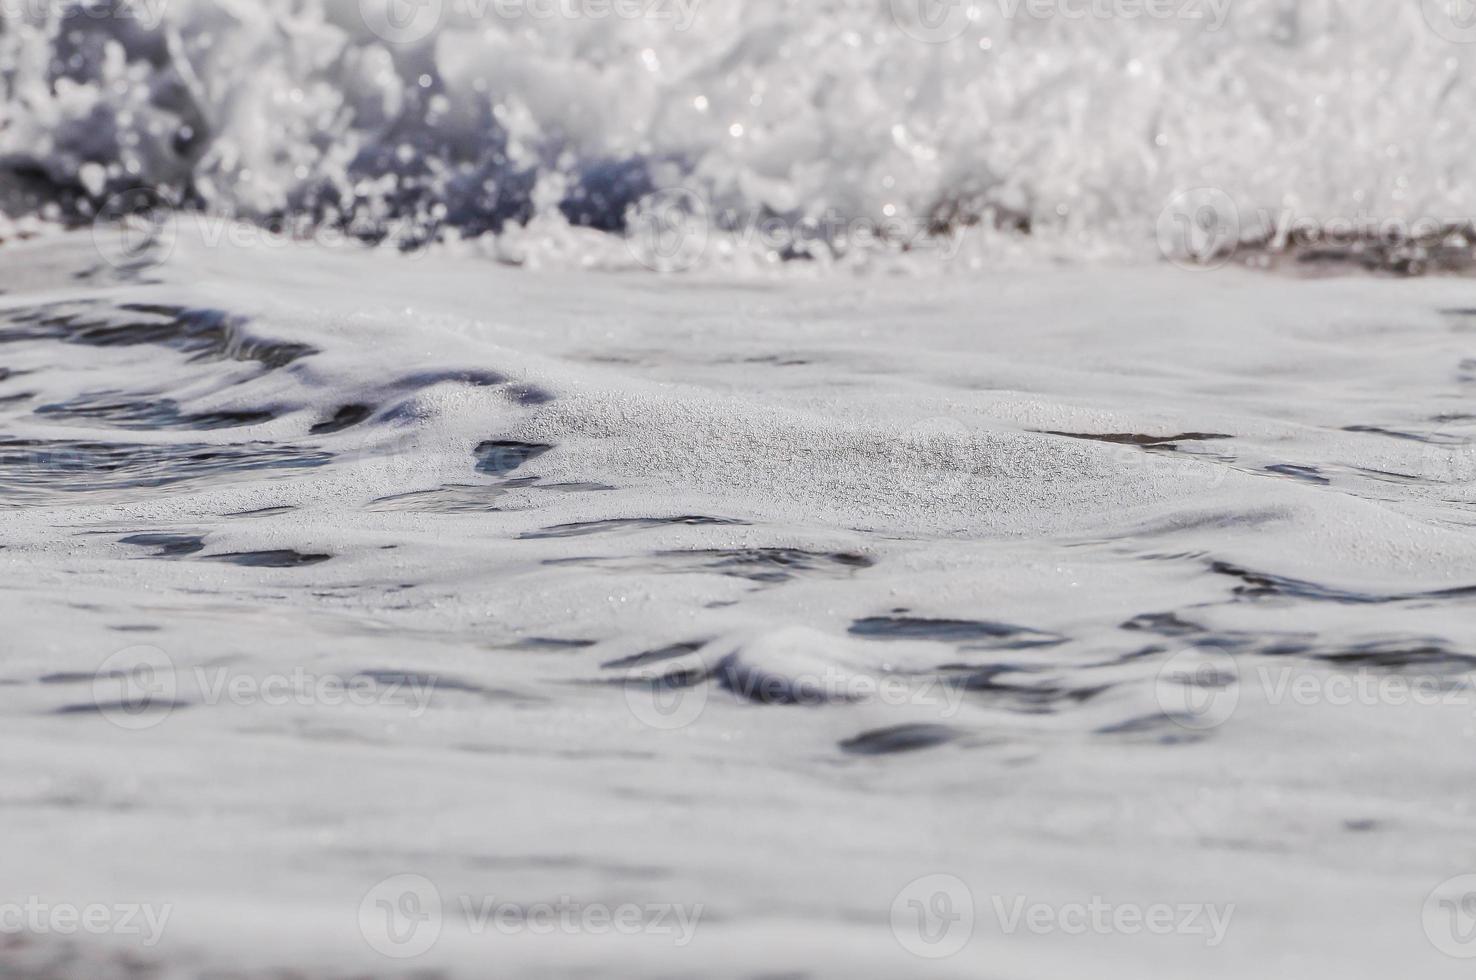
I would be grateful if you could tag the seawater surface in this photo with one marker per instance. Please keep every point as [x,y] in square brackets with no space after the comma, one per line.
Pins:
[768,597]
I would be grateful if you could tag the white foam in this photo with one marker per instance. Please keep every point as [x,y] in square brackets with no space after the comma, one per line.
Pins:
[909,515]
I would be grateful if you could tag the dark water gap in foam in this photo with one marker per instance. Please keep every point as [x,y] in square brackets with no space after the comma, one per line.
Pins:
[1379,652]
[407,683]
[1306,474]
[963,632]
[499,457]
[345,417]
[627,523]
[768,566]
[124,412]
[1264,584]
[112,709]
[659,655]
[167,545]
[901,738]
[1036,699]
[553,644]
[1140,439]
[276,558]
[34,468]
[205,334]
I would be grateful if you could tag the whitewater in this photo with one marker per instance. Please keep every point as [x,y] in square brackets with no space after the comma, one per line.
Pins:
[427,118]
[744,490]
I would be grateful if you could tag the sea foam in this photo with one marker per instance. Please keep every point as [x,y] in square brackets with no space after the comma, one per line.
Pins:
[1070,121]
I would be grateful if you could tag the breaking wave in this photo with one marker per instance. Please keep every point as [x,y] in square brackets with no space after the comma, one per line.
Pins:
[1073,120]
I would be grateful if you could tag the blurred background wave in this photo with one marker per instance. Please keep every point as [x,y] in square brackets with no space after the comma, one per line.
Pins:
[1079,120]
